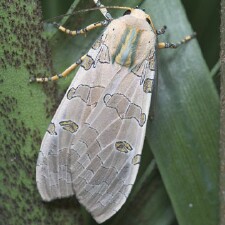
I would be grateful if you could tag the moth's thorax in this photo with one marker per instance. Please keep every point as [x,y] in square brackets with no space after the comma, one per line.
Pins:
[139,14]
[130,39]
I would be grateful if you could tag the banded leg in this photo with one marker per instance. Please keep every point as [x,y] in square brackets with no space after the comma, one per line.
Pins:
[175,45]
[84,30]
[57,76]
[104,11]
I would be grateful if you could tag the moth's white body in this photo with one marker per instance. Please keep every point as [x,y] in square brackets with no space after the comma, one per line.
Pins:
[93,145]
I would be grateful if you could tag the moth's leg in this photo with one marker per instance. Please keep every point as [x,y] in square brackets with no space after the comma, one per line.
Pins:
[161,31]
[175,45]
[104,11]
[82,31]
[63,74]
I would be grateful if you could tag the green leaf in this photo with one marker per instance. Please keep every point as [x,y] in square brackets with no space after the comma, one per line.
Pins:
[207,23]
[184,133]
[222,118]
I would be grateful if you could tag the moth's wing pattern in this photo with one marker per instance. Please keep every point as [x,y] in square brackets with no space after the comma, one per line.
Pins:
[106,151]
[52,171]
[93,145]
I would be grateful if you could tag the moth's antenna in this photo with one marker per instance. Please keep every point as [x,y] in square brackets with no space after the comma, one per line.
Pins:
[87,10]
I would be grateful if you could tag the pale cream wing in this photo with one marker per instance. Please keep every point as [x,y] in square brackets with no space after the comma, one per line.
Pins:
[52,171]
[93,145]
[106,151]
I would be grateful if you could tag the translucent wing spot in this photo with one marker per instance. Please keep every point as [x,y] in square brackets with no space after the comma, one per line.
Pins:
[145,68]
[103,55]
[51,129]
[123,146]
[147,87]
[136,159]
[125,108]
[139,69]
[143,119]
[87,62]
[69,125]
[99,53]
[90,95]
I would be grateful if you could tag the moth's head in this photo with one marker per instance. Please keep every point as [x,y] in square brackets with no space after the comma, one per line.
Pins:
[140,14]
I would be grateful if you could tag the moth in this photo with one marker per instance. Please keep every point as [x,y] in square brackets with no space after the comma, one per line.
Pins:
[92,147]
